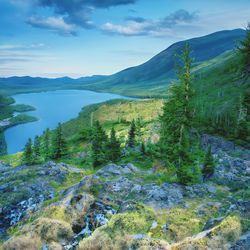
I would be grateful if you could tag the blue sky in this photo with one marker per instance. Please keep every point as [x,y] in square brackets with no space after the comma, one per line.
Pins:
[53,38]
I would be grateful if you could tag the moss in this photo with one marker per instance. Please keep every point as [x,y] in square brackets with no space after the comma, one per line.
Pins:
[27,242]
[181,223]
[57,212]
[117,233]
[51,229]
[229,230]
[129,223]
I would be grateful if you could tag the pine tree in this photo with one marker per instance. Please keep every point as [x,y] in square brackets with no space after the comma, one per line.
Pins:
[143,148]
[139,126]
[243,119]
[46,148]
[99,143]
[244,49]
[113,147]
[176,122]
[59,144]
[131,135]
[37,150]
[208,166]
[28,153]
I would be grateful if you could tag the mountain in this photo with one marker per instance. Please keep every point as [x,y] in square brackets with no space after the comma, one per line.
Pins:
[149,78]
[160,70]
[13,85]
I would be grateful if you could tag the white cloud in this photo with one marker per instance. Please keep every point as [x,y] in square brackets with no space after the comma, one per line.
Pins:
[56,24]
[138,26]
[33,46]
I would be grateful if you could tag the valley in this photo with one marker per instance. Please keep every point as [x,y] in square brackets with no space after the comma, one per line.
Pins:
[167,170]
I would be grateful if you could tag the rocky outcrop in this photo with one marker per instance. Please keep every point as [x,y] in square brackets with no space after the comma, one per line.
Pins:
[219,144]
[126,184]
[242,244]
[23,189]
[119,204]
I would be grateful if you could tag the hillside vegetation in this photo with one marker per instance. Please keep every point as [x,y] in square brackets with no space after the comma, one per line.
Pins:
[140,174]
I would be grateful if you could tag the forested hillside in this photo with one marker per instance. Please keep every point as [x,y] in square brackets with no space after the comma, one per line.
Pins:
[159,173]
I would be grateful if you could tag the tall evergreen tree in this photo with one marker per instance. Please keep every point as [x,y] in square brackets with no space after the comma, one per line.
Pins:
[243,119]
[37,150]
[59,144]
[99,143]
[176,122]
[132,134]
[143,148]
[208,166]
[244,49]
[46,145]
[139,126]
[28,153]
[113,147]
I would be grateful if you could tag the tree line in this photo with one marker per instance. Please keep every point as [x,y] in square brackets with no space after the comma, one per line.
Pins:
[46,147]
[108,148]
[177,146]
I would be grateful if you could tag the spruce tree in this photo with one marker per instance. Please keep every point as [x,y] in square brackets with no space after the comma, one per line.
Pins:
[208,166]
[131,135]
[99,143]
[59,144]
[28,153]
[139,133]
[244,49]
[46,142]
[37,150]
[243,119]
[143,148]
[113,147]
[176,122]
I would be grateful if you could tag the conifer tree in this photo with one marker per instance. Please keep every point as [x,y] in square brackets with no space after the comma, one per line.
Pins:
[143,148]
[28,153]
[46,148]
[37,149]
[59,144]
[244,49]
[99,143]
[139,126]
[131,135]
[176,122]
[208,166]
[243,119]
[113,147]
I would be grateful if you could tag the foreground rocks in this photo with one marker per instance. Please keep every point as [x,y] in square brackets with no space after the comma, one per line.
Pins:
[118,207]
[24,189]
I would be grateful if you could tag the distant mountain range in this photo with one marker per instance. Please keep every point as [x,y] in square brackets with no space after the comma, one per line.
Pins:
[150,77]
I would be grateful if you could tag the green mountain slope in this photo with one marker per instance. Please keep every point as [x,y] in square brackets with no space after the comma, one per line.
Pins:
[150,78]
[154,75]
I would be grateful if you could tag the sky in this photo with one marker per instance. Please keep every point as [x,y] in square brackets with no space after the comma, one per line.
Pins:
[55,38]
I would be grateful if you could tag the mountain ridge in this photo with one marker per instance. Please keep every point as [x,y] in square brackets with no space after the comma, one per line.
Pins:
[159,70]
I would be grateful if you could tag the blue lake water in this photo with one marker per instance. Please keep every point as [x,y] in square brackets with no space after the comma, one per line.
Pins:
[51,107]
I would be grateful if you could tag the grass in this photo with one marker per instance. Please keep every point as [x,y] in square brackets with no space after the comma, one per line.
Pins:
[13,159]
[180,222]
[117,113]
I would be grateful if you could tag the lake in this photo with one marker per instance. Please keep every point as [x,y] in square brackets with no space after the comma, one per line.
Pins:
[52,107]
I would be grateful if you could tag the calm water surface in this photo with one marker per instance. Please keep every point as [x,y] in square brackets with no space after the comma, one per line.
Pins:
[51,107]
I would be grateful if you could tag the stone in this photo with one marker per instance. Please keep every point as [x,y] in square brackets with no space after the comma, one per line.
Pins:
[213,222]
[164,196]
[110,169]
[242,244]
[154,225]
[211,189]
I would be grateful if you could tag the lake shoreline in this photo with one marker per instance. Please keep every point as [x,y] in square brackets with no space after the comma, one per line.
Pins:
[50,110]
